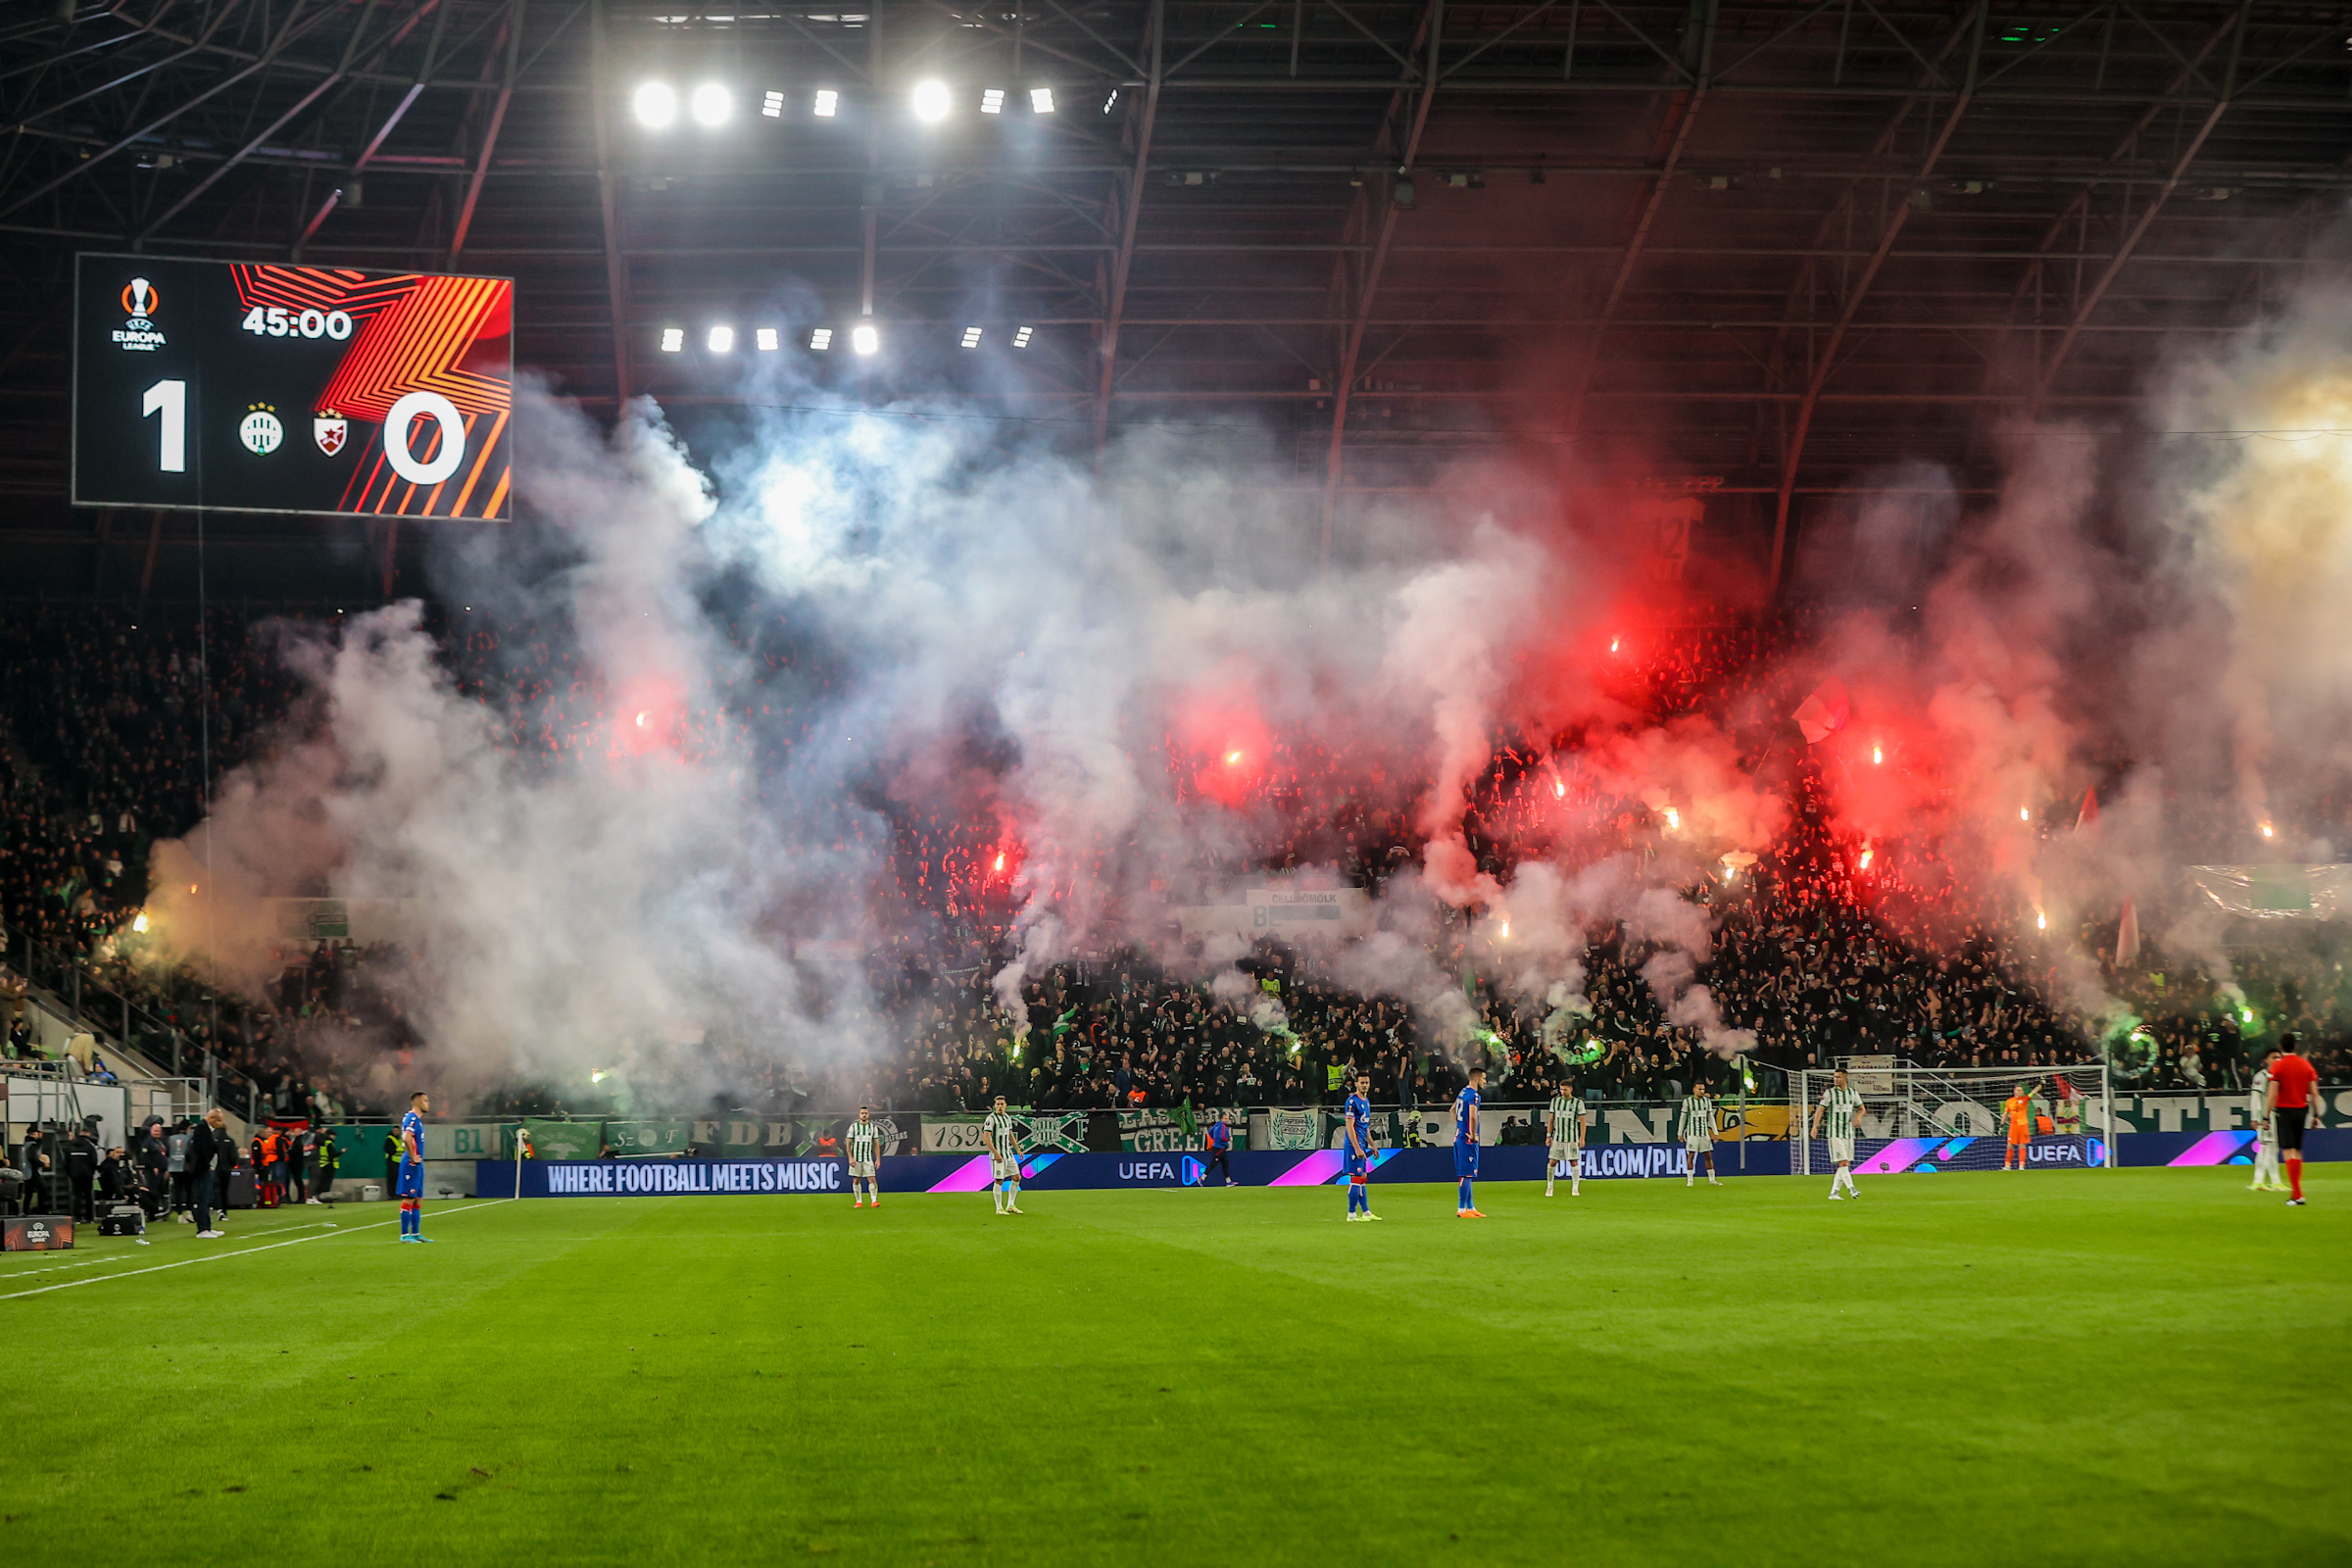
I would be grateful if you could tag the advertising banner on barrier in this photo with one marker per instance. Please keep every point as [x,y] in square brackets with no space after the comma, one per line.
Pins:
[1891,1157]
[2224,1148]
[1052,1171]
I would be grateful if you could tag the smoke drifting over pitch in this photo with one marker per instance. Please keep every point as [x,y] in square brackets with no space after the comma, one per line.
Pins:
[1119,679]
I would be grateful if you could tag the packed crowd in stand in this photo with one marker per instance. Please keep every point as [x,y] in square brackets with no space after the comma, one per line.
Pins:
[106,731]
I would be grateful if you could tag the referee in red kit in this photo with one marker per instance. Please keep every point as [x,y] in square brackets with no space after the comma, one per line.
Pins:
[2291,1080]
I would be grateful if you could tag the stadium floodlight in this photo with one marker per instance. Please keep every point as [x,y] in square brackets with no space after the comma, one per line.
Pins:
[673,339]
[821,339]
[765,338]
[992,100]
[828,103]
[1020,336]
[863,338]
[710,104]
[971,337]
[655,104]
[1040,100]
[722,340]
[931,102]
[771,104]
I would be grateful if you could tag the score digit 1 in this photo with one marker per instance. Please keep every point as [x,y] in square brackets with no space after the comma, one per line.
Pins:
[171,400]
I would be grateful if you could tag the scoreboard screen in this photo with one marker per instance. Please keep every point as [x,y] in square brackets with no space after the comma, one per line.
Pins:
[255,387]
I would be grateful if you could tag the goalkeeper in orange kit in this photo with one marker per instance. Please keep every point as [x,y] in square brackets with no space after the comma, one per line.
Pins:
[2016,1111]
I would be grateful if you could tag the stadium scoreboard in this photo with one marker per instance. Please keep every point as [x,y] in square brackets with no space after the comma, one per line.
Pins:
[256,387]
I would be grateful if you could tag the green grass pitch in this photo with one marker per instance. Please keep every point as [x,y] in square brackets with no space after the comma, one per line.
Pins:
[2068,1367]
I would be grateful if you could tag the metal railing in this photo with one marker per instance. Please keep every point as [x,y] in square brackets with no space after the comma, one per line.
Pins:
[125,1028]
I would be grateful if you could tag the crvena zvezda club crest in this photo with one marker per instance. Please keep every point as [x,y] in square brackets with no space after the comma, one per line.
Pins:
[330,430]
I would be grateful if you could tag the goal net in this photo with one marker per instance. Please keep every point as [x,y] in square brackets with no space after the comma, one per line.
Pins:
[1951,1119]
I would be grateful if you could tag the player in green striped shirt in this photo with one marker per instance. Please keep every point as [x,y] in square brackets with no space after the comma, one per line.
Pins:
[1002,1136]
[1698,1135]
[865,1157]
[1566,1121]
[1842,1107]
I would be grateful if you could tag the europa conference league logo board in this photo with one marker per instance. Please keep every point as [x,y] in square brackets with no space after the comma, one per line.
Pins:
[255,387]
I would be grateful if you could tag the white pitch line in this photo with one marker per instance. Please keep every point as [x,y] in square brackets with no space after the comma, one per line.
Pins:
[242,1251]
[10,1276]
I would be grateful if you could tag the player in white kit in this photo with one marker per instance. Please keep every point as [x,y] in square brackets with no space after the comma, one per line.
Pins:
[865,1157]
[1842,1107]
[1567,1119]
[1002,1136]
[2266,1132]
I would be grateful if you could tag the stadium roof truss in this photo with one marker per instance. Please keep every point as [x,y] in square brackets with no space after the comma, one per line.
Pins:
[1781,242]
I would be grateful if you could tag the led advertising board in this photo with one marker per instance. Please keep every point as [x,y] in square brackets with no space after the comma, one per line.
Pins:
[248,386]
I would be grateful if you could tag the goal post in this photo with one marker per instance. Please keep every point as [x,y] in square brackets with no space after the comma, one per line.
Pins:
[1949,1118]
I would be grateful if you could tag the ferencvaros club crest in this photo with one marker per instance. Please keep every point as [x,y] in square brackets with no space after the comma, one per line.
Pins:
[330,430]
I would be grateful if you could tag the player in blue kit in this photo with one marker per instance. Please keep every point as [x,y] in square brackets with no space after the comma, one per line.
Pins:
[1465,1141]
[1359,1149]
[410,1187]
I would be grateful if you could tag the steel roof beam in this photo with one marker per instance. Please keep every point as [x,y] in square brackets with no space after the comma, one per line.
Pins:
[1827,362]
[1131,216]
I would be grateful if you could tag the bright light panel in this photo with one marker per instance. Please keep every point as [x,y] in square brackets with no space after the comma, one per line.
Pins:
[971,337]
[722,340]
[992,101]
[821,339]
[771,104]
[1040,100]
[828,103]
[655,104]
[710,104]
[931,101]
[1020,336]
[765,338]
[863,338]
[674,338]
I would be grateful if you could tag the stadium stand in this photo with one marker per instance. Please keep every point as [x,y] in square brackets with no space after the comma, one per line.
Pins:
[106,740]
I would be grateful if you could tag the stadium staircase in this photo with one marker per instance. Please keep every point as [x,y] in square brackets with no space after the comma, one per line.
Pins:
[161,1072]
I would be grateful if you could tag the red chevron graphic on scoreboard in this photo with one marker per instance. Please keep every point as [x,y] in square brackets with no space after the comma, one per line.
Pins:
[416,332]
[420,342]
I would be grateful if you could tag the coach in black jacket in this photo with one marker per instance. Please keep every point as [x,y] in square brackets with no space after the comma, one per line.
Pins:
[212,1155]
[83,1155]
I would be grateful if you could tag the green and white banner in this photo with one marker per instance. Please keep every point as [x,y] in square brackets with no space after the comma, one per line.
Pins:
[561,1140]
[1286,1129]
[2188,1112]
[1059,1130]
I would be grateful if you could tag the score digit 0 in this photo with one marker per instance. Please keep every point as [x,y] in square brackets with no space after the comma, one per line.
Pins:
[446,459]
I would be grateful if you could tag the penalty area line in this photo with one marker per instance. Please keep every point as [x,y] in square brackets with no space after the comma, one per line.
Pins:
[242,1251]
